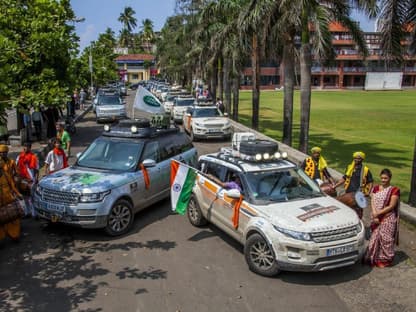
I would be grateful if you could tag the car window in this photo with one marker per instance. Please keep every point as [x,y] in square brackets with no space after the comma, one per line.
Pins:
[206,112]
[151,151]
[111,155]
[110,100]
[216,170]
[184,102]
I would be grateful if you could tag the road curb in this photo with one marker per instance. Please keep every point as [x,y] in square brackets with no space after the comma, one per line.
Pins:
[407,212]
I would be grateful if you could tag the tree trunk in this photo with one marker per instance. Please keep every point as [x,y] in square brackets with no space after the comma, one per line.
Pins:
[220,78]
[255,68]
[236,96]
[214,81]
[305,96]
[227,85]
[412,196]
[289,78]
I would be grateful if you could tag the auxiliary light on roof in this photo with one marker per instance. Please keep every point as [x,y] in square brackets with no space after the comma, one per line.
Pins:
[107,128]
[134,129]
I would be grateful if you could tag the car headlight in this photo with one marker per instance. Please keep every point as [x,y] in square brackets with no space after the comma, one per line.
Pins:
[93,197]
[359,227]
[38,189]
[197,124]
[294,234]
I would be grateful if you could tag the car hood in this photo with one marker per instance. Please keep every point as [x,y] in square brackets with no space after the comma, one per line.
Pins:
[312,215]
[211,120]
[84,181]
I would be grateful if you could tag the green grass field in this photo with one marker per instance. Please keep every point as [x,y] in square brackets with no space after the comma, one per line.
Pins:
[379,123]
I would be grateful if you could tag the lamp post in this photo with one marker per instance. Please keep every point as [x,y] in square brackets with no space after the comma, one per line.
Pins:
[91,70]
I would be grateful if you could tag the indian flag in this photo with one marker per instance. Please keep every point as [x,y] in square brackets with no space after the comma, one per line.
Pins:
[182,179]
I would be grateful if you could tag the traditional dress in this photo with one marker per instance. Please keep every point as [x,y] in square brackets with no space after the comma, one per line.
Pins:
[7,188]
[380,250]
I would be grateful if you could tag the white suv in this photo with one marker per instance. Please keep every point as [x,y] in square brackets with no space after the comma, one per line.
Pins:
[280,216]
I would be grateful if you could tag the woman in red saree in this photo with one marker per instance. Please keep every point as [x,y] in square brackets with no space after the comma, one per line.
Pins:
[385,200]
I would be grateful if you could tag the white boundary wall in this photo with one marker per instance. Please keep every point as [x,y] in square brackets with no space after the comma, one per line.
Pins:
[383,81]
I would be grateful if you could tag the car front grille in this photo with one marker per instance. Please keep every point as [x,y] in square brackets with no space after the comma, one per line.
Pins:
[59,197]
[334,235]
[214,126]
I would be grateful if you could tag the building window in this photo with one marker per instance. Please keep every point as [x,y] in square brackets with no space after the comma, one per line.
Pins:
[134,76]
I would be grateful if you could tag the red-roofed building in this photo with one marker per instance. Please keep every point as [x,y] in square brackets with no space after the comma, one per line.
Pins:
[136,67]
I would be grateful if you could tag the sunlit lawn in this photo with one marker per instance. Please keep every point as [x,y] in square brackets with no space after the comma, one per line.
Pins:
[380,123]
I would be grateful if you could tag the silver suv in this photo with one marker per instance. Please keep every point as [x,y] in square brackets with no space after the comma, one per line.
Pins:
[123,171]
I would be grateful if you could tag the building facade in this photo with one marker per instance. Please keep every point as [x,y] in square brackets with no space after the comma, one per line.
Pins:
[136,67]
[349,68]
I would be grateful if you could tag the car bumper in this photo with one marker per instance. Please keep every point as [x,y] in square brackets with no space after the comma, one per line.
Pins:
[317,257]
[206,134]
[91,215]
[111,117]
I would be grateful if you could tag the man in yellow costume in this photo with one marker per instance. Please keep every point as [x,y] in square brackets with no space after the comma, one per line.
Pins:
[315,166]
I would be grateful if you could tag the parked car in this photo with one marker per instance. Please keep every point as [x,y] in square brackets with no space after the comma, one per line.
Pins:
[107,185]
[180,104]
[110,108]
[283,219]
[205,122]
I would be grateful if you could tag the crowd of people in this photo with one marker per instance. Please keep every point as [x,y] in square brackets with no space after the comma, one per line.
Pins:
[19,178]
[384,201]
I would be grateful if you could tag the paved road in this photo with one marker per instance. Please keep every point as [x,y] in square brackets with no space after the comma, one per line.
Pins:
[166,264]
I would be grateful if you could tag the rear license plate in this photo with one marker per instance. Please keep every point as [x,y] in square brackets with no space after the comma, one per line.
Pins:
[340,250]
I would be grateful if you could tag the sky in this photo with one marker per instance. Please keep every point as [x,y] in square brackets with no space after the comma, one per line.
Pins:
[101,14]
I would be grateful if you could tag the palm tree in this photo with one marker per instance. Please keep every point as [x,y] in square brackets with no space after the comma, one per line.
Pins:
[127,19]
[395,20]
[147,34]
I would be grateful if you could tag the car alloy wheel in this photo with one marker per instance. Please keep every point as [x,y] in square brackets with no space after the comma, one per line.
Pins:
[260,257]
[120,218]
[194,213]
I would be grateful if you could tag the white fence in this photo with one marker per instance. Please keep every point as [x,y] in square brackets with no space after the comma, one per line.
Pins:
[383,81]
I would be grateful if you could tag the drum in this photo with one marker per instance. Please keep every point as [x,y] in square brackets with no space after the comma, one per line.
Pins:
[348,199]
[327,188]
[360,200]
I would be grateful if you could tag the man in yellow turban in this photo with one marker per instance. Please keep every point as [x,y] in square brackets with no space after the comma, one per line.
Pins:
[9,165]
[316,167]
[357,177]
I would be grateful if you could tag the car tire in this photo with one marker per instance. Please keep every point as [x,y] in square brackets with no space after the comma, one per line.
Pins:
[120,219]
[195,216]
[258,146]
[260,256]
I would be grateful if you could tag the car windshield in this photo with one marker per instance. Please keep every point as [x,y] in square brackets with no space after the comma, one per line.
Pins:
[185,102]
[206,112]
[278,186]
[112,155]
[170,98]
[110,100]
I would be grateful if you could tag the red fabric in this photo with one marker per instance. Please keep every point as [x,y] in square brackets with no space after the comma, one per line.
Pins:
[61,152]
[236,212]
[145,176]
[27,160]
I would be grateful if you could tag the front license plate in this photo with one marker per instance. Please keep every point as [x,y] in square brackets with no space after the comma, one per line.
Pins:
[52,207]
[214,130]
[340,250]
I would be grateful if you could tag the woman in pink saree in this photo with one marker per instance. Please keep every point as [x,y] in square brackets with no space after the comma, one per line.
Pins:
[385,200]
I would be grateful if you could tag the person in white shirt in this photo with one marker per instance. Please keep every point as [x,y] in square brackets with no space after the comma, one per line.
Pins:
[56,158]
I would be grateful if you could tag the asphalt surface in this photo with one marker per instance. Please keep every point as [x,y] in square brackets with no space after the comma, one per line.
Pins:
[166,264]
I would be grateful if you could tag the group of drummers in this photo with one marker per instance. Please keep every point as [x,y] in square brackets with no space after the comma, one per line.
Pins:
[357,179]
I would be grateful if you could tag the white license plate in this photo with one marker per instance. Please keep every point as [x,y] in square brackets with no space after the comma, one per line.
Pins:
[214,130]
[340,250]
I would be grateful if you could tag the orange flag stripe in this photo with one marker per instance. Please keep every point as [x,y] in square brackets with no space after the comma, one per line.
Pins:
[145,176]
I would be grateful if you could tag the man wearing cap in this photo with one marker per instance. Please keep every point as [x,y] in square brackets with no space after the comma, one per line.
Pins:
[9,165]
[357,177]
[316,167]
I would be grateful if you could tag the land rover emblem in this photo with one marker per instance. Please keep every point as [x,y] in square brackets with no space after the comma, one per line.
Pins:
[150,101]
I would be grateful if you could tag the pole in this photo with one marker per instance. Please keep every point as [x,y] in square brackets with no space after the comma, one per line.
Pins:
[91,69]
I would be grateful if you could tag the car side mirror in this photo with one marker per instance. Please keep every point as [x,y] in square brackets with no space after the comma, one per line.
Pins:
[149,163]
[233,193]
[225,114]
[188,114]
[78,155]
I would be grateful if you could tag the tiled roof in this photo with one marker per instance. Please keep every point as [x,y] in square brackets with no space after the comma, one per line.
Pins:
[135,57]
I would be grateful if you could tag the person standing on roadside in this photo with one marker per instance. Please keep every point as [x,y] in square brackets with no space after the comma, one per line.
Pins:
[357,177]
[64,137]
[385,200]
[82,98]
[8,194]
[56,158]
[37,123]
[9,166]
[28,172]
[315,166]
